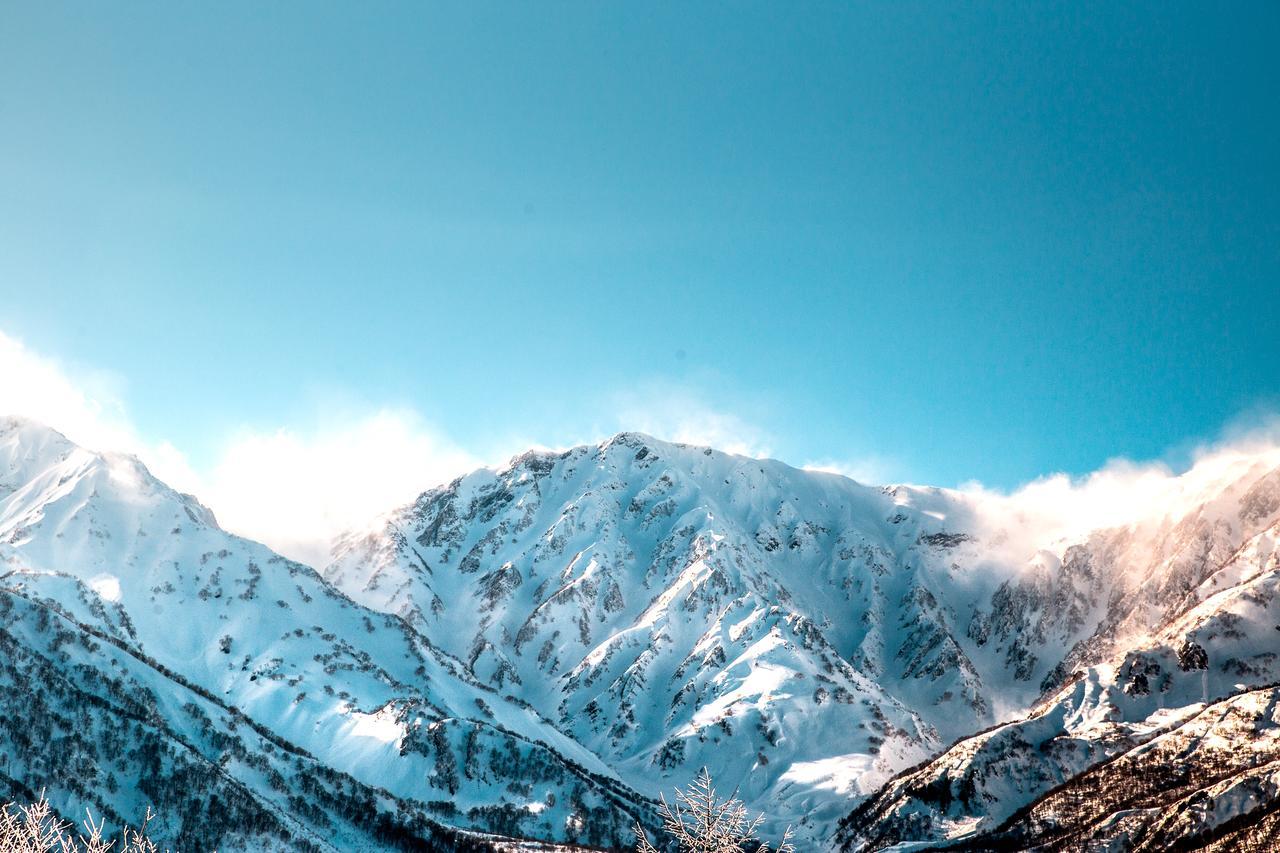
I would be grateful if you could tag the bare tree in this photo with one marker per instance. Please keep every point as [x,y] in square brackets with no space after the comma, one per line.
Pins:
[131,840]
[32,829]
[36,828]
[703,823]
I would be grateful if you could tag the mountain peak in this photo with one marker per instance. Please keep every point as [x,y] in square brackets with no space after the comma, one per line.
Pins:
[27,432]
[28,447]
[48,468]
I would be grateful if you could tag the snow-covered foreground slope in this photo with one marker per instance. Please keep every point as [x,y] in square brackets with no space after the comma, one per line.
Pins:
[1202,777]
[152,657]
[536,651]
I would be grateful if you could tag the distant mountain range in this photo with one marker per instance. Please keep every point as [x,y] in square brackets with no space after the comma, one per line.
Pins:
[539,651]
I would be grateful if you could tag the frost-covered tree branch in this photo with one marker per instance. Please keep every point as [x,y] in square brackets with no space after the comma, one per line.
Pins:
[36,828]
[700,822]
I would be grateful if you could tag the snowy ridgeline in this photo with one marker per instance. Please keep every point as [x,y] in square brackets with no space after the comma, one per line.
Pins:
[539,651]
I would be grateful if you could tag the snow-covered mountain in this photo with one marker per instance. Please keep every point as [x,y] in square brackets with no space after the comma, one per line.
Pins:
[151,657]
[538,650]
[671,607]
[804,636]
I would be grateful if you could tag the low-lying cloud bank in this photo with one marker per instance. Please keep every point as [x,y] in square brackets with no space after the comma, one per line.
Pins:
[1059,508]
[295,489]
[292,489]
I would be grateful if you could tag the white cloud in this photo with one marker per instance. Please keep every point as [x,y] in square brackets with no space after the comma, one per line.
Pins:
[1122,493]
[84,405]
[39,388]
[296,491]
[292,490]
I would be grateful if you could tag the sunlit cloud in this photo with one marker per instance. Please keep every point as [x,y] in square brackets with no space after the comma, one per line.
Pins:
[40,388]
[296,491]
[1123,493]
[84,405]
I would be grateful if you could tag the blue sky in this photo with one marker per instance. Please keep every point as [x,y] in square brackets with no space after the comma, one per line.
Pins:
[925,241]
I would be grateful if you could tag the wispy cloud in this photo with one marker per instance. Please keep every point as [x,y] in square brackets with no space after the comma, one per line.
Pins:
[41,388]
[1060,507]
[681,413]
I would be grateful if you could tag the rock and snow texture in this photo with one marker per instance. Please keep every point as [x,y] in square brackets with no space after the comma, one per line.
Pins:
[1159,731]
[805,636]
[536,651]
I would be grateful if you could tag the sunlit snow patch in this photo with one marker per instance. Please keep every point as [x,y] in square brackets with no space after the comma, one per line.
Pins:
[381,725]
[961,827]
[106,586]
[762,684]
[843,774]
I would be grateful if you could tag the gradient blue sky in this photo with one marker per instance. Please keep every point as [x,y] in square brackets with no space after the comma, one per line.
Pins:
[965,240]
